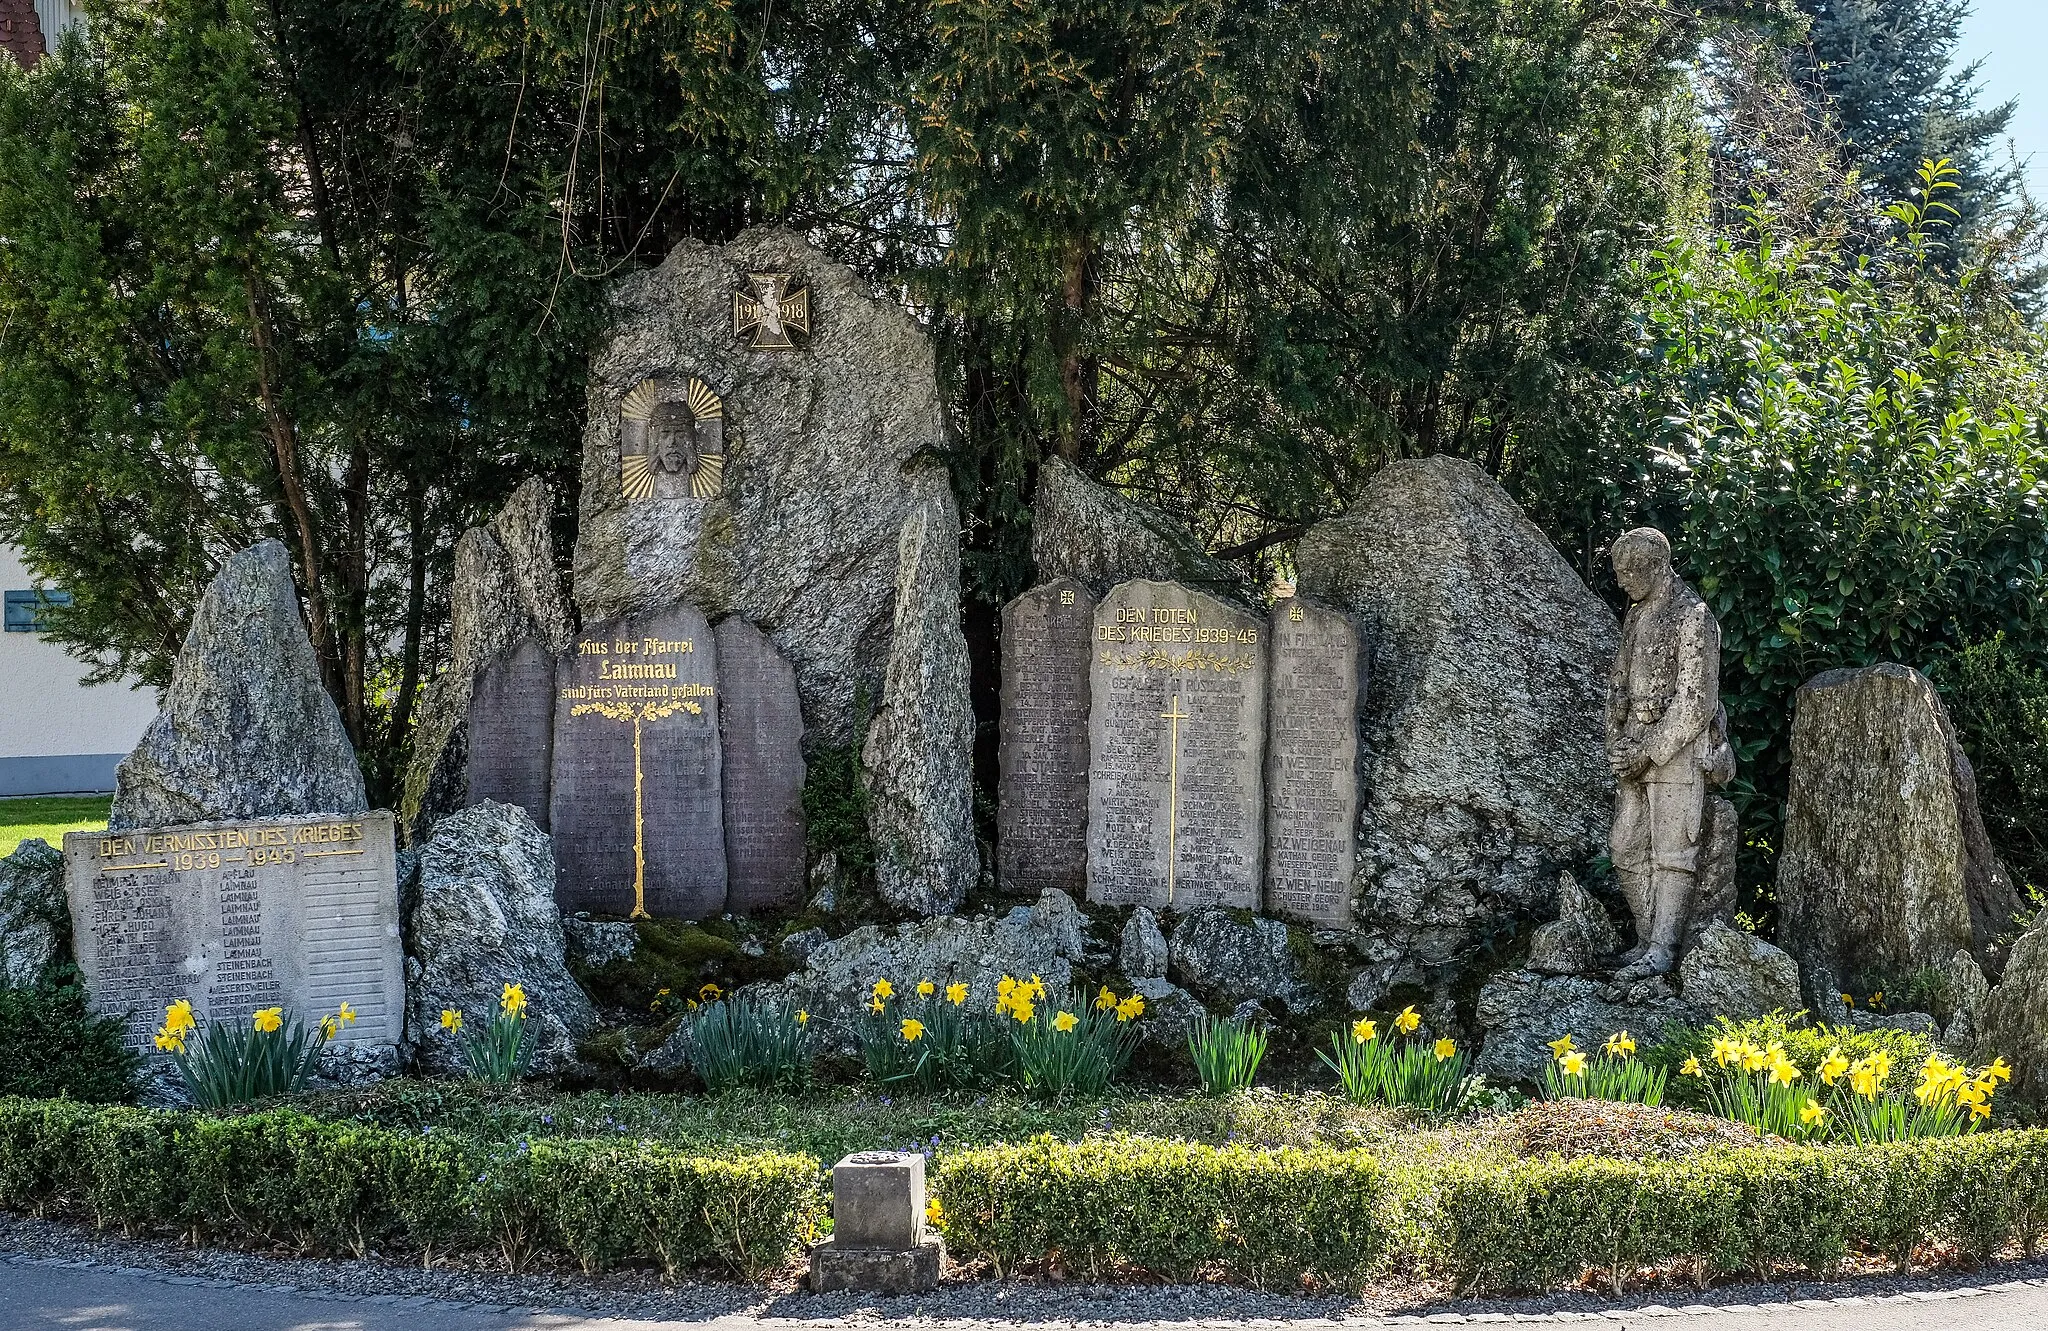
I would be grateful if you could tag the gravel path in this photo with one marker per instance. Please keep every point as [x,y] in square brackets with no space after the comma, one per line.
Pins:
[72,1271]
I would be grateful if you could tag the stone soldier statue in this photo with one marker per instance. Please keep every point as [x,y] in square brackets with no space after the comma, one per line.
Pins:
[1667,741]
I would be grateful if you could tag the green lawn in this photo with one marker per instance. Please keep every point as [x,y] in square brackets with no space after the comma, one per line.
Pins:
[50,817]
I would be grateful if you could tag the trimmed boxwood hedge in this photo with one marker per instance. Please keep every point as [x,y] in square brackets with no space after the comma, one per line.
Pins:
[1325,1218]
[283,1176]
[1335,1219]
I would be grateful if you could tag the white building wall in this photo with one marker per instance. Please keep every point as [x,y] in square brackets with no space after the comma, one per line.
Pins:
[56,18]
[56,734]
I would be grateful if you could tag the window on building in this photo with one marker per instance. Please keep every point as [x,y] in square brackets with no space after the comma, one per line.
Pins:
[26,610]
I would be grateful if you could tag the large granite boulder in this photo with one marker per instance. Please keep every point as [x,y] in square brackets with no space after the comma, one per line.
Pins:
[1884,866]
[35,918]
[824,527]
[246,729]
[1229,959]
[1522,1012]
[480,914]
[1045,939]
[1088,532]
[1485,770]
[920,788]
[505,590]
[1727,972]
[2013,1021]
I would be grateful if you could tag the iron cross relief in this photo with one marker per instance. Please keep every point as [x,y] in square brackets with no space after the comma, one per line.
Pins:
[775,315]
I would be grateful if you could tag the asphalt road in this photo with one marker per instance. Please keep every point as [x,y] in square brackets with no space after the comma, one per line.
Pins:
[41,1296]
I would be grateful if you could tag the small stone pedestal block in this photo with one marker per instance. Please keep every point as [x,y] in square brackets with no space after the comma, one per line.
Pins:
[879,1244]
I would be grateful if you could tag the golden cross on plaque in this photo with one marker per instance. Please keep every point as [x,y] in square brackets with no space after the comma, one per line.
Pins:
[1176,716]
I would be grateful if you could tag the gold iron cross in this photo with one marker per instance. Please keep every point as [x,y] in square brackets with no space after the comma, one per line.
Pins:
[773,313]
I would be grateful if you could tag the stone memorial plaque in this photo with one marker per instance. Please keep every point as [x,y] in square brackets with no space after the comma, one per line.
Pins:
[1042,790]
[634,805]
[761,731]
[298,912]
[1312,698]
[512,729]
[1176,750]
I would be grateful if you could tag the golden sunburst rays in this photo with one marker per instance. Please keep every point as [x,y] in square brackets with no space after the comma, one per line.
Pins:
[636,476]
[703,402]
[639,475]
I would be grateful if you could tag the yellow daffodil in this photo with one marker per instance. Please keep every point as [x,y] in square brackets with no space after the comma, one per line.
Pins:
[1364,1029]
[1620,1044]
[1037,988]
[451,1020]
[1691,1068]
[925,988]
[1572,1062]
[269,1019]
[513,1000]
[347,1015]
[1754,1059]
[912,1029]
[1877,998]
[1726,1051]
[1408,1020]
[1849,1000]
[330,1027]
[1131,1007]
[956,993]
[1445,1049]
[1005,987]
[883,989]
[1022,1010]
[875,1004]
[1561,1046]
[1981,1110]
[1998,1071]
[1833,1066]
[803,1018]
[1811,1113]
[170,1041]
[1864,1081]
[1784,1071]
[1104,1000]
[1064,1022]
[934,1214]
[178,1017]
[710,993]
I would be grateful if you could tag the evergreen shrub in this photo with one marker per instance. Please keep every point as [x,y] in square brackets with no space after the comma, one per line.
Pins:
[51,1043]
[283,1176]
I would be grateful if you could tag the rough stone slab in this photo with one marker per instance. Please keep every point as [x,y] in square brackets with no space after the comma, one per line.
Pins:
[1084,530]
[1042,789]
[1314,692]
[1884,867]
[911,1271]
[504,589]
[917,766]
[1485,768]
[511,728]
[246,730]
[1177,731]
[761,731]
[637,816]
[235,916]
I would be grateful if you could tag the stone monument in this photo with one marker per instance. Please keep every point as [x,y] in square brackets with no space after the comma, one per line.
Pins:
[298,912]
[636,806]
[1314,691]
[1176,750]
[815,507]
[1042,789]
[511,730]
[760,735]
[879,1241]
[1483,771]
[1667,741]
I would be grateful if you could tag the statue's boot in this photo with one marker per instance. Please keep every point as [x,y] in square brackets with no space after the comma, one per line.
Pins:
[1671,911]
[1638,890]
